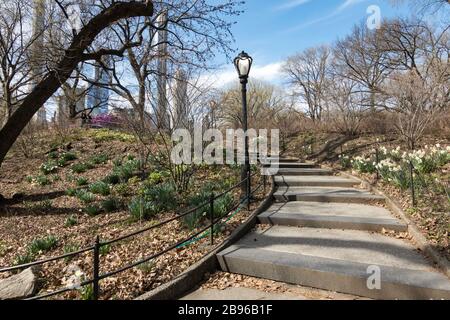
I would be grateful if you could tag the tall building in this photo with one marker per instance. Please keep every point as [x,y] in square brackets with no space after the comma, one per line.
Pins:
[162,115]
[37,51]
[97,96]
[181,103]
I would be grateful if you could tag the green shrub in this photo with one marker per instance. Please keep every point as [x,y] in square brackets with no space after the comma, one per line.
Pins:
[69,248]
[93,210]
[345,161]
[147,267]
[112,179]
[104,250]
[61,163]
[110,204]
[162,196]
[104,135]
[44,205]
[49,167]
[29,179]
[100,188]
[53,155]
[3,249]
[394,173]
[221,205]
[364,165]
[82,181]
[56,178]
[87,292]
[43,180]
[85,196]
[154,178]
[193,220]
[71,192]
[117,162]
[126,170]
[71,221]
[122,189]
[24,259]
[43,245]
[140,209]
[99,159]
[80,168]
[68,156]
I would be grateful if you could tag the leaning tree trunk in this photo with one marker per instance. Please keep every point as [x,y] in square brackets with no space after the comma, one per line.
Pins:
[330,146]
[72,57]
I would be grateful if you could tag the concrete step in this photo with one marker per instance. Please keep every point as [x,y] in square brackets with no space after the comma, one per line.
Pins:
[326,194]
[294,165]
[315,181]
[289,160]
[303,172]
[332,216]
[336,260]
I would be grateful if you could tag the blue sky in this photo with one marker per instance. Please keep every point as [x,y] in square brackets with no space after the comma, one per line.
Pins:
[272,30]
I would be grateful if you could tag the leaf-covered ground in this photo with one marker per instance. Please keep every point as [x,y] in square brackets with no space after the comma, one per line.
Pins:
[35,211]
[222,281]
[432,212]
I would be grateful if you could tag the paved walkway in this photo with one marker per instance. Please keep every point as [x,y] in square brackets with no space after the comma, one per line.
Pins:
[326,233]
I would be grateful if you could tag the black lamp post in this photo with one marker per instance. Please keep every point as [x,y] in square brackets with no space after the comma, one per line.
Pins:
[243,63]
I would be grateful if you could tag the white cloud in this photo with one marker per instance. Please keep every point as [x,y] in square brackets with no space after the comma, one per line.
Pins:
[270,72]
[345,5]
[292,4]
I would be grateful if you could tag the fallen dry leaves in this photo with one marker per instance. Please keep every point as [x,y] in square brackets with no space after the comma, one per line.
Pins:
[20,225]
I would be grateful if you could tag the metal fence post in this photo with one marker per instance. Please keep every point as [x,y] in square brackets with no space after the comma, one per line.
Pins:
[211,216]
[413,191]
[377,160]
[249,190]
[96,284]
[265,183]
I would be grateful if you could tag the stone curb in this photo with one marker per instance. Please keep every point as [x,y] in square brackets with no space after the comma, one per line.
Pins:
[190,278]
[413,230]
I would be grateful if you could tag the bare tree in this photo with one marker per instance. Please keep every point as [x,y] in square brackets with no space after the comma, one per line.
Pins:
[16,73]
[307,74]
[419,89]
[418,101]
[359,58]
[427,6]
[346,110]
[264,103]
[104,17]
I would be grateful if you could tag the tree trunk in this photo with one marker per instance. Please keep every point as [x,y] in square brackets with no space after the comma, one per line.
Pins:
[372,101]
[330,146]
[52,81]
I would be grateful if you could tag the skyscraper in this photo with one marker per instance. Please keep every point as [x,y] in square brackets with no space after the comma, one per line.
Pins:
[98,96]
[37,51]
[180,97]
[162,116]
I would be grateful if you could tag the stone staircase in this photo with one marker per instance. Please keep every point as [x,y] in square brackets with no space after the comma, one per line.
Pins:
[324,233]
